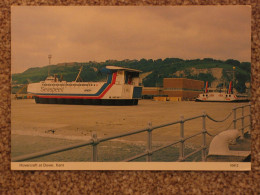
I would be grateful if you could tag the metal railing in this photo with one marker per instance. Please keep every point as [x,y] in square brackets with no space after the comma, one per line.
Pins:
[149,151]
[242,118]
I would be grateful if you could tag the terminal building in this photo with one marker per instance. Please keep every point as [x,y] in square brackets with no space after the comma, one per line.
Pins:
[185,89]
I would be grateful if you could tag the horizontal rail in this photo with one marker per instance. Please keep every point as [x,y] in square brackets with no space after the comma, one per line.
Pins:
[229,125]
[190,154]
[186,138]
[242,117]
[122,135]
[244,127]
[238,107]
[165,125]
[151,152]
[165,146]
[136,157]
[247,126]
[192,118]
[239,118]
[50,151]
[176,122]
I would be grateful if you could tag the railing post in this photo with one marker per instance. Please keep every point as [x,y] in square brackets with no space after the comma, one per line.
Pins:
[94,147]
[181,151]
[235,118]
[204,131]
[250,118]
[149,142]
[242,123]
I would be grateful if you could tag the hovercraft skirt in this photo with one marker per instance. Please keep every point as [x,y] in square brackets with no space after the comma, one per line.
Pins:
[120,102]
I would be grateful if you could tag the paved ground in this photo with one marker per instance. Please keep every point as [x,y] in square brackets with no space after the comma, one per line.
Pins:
[78,121]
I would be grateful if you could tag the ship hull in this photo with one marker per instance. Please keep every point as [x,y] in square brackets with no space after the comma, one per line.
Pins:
[226,101]
[73,101]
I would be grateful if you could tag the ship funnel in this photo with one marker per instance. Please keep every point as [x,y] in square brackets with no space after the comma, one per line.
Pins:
[206,87]
[230,87]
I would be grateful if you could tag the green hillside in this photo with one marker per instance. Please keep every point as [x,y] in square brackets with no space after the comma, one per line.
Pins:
[160,68]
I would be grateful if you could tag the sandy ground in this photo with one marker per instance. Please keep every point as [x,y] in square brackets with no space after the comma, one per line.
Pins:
[77,122]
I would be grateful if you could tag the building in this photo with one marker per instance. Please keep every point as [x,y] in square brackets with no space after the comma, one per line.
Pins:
[187,89]
[181,87]
[150,92]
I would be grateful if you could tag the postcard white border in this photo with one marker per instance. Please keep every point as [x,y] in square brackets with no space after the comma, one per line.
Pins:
[158,166]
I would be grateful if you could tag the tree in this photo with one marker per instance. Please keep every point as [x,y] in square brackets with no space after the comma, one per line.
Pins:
[208,59]
[158,61]
[206,77]
[168,60]
[143,61]
[246,66]
[232,62]
[150,61]
[241,80]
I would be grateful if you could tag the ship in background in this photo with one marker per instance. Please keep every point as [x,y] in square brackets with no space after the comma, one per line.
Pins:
[123,87]
[220,95]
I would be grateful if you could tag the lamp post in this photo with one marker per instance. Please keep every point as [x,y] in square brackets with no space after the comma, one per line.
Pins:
[49,56]
[234,77]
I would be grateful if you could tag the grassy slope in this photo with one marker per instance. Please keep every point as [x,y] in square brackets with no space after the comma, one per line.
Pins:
[160,69]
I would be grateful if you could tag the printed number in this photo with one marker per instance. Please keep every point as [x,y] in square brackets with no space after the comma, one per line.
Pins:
[233,165]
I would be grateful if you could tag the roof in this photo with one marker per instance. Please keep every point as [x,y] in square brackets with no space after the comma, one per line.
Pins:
[122,68]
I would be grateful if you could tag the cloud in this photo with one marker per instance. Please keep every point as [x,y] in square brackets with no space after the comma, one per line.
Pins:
[101,33]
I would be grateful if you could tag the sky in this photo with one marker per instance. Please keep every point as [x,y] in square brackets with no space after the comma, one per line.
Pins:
[99,33]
